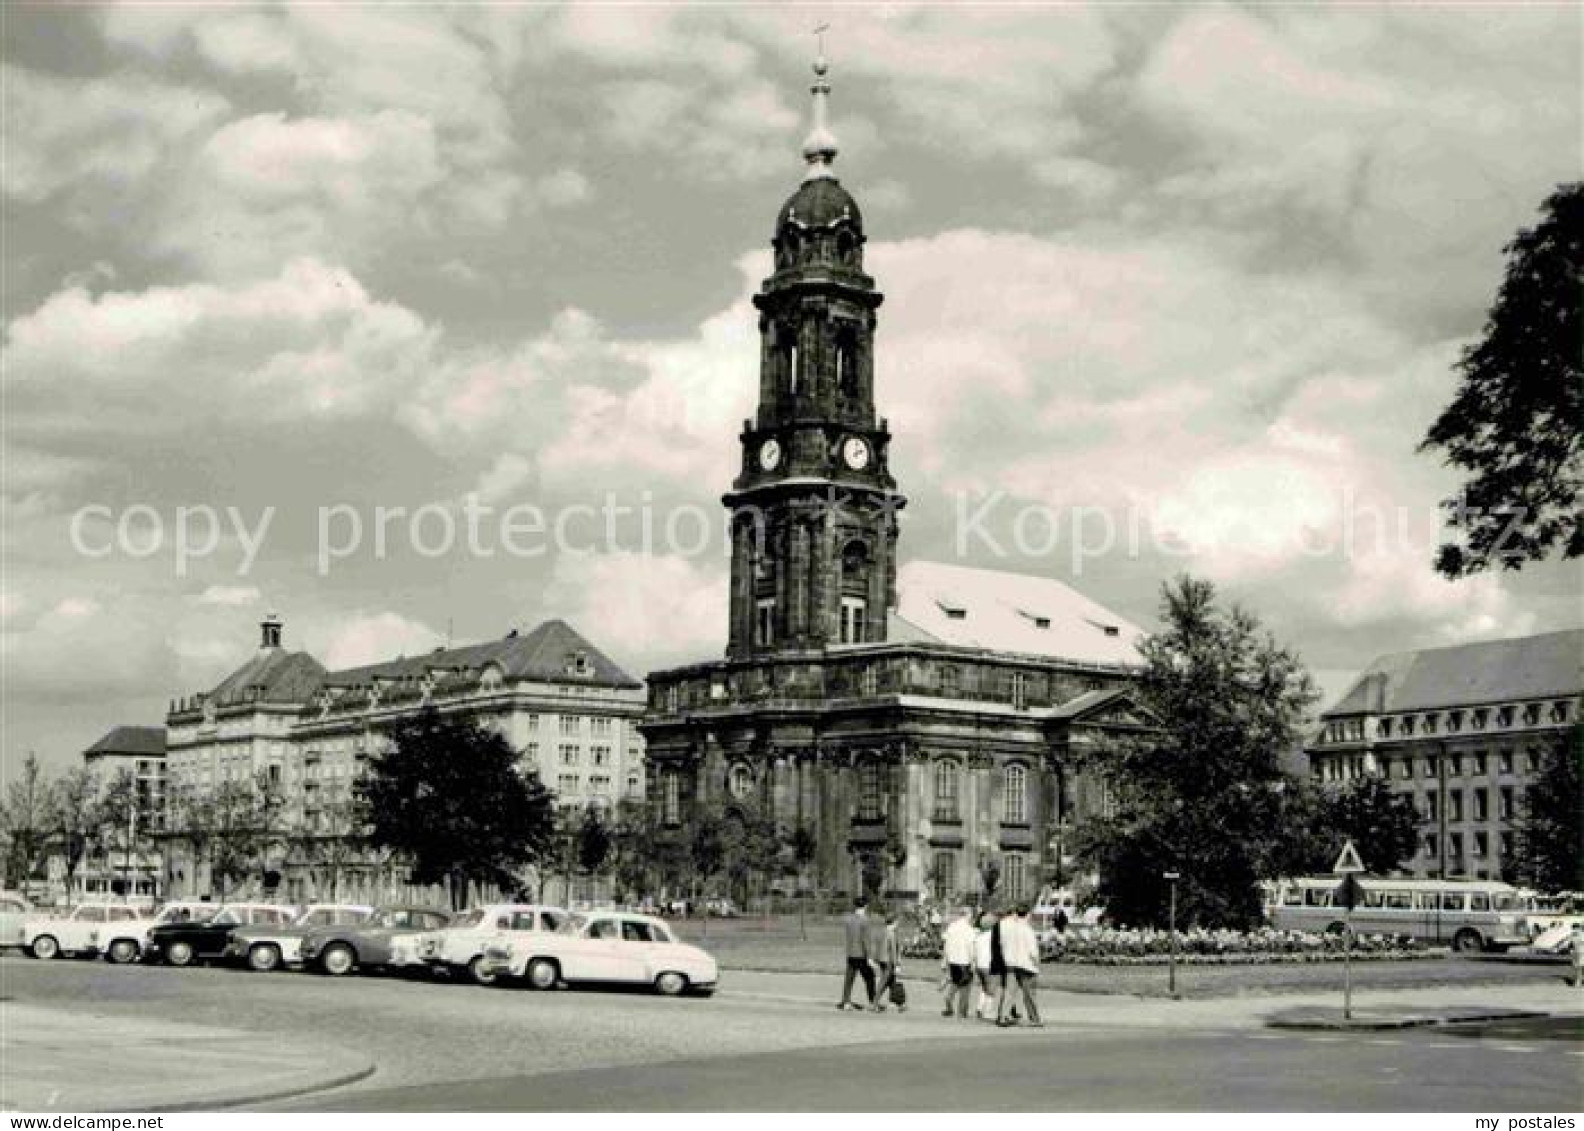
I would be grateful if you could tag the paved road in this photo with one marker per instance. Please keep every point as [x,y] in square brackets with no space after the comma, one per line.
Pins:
[1515,1069]
[773,1041]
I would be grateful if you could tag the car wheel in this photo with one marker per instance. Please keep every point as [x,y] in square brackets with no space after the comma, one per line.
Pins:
[475,969]
[337,960]
[543,974]
[179,954]
[122,951]
[670,984]
[264,957]
[1468,941]
[45,947]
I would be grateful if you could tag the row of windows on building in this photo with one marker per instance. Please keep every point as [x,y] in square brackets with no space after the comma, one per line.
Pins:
[1014,883]
[1452,721]
[600,785]
[1507,799]
[571,754]
[597,725]
[1478,843]
[947,778]
[1476,764]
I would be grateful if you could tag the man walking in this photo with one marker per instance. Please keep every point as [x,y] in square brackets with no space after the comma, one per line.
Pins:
[957,959]
[878,943]
[855,925]
[1020,953]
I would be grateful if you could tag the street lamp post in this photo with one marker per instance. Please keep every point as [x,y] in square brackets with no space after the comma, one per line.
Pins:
[1171,925]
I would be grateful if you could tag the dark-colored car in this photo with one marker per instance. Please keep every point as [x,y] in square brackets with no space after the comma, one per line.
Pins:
[390,939]
[187,941]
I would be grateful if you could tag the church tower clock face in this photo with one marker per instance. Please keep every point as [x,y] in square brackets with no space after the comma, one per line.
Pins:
[770,455]
[855,453]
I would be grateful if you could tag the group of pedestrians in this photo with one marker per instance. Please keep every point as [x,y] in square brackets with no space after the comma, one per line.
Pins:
[997,953]
[873,954]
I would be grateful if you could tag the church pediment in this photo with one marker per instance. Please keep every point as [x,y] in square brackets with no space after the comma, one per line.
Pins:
[1107,710]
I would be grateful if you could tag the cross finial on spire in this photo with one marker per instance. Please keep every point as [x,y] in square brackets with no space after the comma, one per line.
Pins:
[819,148]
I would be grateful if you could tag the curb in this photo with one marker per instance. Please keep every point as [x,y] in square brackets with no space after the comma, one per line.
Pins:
[285,1092]
[1409,1021]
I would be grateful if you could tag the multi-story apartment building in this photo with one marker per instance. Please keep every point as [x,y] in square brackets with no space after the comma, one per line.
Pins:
[127,860]
[1462,731]
[308,731]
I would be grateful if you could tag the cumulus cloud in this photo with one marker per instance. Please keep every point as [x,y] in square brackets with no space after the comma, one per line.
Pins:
[81,138]
[308,343]
[357,638]
[651,609]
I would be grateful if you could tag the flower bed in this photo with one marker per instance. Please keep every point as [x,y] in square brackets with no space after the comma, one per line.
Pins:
[1105,946]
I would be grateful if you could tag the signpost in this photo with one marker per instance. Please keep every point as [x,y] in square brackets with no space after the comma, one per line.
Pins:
[1349,867]
[1171,923]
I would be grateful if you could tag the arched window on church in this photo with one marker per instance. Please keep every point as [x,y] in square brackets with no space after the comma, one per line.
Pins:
[947,778]
[1014,807]
[847,360]
[671,797]
[870,790]
[792,369]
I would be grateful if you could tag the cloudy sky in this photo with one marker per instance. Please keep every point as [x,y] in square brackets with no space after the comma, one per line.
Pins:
[1203,269]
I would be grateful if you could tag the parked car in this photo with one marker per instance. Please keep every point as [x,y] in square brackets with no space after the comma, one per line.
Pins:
[610,947]
[720,908]
[388,938]
[14,913]
[185,941]
[267,946]
[460,946]
[115,930]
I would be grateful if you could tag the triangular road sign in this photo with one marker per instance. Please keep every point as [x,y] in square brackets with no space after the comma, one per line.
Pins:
[1347,861]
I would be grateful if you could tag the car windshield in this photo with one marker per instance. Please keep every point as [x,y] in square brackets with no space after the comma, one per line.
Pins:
[573,926]
[468,918]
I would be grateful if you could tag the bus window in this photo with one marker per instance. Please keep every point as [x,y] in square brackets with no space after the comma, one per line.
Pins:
[1425,900]
[1317,897]
[1398,900]
[1292,897]
[1451,901]
[1374,899]
[1479,901]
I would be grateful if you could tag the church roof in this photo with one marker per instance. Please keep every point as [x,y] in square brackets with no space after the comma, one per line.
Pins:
[546,653]
[145,742]
[1491,671]
[1008,612]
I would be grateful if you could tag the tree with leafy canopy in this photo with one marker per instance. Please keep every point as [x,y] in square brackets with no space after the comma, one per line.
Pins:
[244,822]
[1514,425]
[1202,793]
[122,823]
[74,819]
[453,798]
[1550,842]
[1382,824]
[25,817]
[593,842]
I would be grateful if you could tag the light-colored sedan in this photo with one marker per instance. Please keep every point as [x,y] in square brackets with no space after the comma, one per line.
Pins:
[115,930]
[610,947]
[460,946]
[267,946]
[15,911]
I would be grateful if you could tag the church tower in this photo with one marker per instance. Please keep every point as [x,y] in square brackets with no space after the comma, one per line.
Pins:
[814,507]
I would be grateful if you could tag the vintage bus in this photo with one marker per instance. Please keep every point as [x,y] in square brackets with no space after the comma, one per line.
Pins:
[1468,915]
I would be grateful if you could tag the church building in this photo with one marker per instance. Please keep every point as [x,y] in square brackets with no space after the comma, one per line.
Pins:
[919,721]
